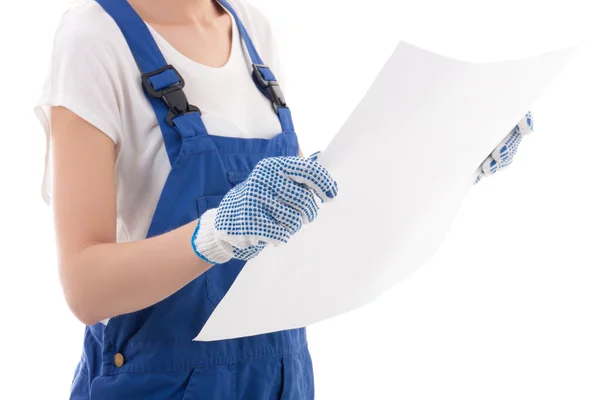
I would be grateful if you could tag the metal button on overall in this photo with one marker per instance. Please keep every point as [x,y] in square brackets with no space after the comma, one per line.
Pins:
[119,360]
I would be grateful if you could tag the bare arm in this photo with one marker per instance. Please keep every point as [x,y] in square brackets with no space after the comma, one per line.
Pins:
[101,278]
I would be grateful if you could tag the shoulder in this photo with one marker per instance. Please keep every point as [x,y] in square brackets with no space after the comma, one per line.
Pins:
[252,15]
[90,68]
[86,30]
[260,29]
[256,22]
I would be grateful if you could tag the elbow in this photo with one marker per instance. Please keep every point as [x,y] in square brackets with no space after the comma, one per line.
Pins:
[80,298]
[82,311]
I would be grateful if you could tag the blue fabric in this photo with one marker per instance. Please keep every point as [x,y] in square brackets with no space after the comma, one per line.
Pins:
[161,359]
[267,74]
[189,126]
[164,79]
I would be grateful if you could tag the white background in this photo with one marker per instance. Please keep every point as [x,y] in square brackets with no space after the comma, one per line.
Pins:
[510,305]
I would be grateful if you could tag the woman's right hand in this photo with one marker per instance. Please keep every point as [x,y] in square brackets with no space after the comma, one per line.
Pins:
[272,204]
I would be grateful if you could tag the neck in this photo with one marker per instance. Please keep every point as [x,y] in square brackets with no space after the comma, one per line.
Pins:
[167,12]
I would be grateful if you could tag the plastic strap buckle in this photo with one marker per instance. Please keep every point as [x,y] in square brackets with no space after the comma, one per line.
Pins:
[271,87]
[172,95]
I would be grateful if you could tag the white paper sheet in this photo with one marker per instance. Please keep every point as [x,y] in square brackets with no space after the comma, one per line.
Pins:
[404,161]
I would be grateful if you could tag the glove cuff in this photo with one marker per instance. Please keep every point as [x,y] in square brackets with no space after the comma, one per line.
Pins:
[205,242]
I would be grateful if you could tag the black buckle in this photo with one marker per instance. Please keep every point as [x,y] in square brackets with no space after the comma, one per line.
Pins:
[173,95]
[272,87]
[178,105]
[160,93]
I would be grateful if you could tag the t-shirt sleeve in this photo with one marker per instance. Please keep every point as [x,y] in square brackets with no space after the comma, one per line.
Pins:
[81,77]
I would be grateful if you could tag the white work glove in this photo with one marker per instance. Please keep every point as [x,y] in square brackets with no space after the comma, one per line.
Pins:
[267,208]
[503,155]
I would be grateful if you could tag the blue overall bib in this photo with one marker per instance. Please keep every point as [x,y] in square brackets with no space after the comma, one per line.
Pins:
[150,354]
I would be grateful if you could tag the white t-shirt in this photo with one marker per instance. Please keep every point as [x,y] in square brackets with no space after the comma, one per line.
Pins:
[93,73]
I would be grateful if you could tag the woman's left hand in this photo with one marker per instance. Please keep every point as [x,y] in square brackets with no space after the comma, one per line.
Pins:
[503,155]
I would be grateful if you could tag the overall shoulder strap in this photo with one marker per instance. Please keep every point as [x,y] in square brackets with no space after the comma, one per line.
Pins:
[161,82]
[262,75]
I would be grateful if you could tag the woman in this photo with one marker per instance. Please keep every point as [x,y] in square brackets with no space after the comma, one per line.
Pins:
[161,194]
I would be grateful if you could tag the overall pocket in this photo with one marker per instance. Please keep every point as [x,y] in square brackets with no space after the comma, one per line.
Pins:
[219,278]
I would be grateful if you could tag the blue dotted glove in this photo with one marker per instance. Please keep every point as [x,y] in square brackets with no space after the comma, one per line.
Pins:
[272,204]
[503,155]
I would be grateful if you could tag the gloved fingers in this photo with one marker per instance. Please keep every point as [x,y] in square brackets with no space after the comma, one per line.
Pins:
[314,156]
[506,164]
[300,198]
[248,253]
[477,175]
[526,124]
[508,147]
[326,195]
[272,204]
[253,218]
[288,218]
[262,230]
[503,154]
[489,166]
[312,174]
[270,171]
[278,221]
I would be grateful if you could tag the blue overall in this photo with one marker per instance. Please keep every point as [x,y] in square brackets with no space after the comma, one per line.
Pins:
[150,354]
